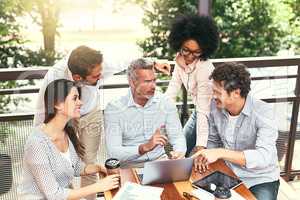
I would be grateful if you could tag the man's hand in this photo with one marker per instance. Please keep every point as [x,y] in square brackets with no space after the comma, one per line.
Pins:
[177,155]
[156,139]
[163,67]
[200,164]
[196,149]
[204,157]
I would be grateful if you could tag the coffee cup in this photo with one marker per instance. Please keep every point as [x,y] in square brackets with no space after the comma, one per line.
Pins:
[112,166]
[222,193]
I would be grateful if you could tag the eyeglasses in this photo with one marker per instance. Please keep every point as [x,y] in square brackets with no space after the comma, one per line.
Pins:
[186,52]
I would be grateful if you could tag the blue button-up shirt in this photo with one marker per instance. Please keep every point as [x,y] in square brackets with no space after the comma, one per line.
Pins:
[255,134]
[128,125]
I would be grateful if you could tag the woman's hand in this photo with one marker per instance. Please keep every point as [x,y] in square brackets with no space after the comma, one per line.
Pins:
[109,182]
[180,61]
[102,170]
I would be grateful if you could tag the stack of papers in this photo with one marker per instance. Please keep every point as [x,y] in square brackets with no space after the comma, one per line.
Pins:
[134,191]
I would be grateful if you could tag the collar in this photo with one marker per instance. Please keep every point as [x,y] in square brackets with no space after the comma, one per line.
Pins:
[131,102]
[246,109]
[248,104]
[186,68]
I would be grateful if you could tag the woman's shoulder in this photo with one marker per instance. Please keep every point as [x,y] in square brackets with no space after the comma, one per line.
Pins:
[204,68]
[205,65]
[36,138]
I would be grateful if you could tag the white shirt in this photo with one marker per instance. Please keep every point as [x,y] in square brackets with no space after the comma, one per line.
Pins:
[90,97]
[66,155]
[231,128]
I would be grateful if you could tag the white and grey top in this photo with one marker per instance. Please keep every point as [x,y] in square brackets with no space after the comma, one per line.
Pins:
[46,174]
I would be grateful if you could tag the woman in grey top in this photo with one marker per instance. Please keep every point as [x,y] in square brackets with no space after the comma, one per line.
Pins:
[52,153]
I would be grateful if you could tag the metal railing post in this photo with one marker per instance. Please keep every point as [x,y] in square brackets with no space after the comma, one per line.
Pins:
[293,129]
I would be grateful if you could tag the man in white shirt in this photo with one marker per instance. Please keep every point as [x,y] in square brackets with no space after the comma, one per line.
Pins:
[133,122]
[85,66]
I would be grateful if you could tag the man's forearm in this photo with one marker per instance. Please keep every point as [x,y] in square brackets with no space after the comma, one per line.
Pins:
[143,148]
[196,149]
[236,157]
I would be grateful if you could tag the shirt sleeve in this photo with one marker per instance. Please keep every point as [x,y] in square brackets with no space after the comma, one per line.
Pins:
[265,147]
[203,100]
[174,128]
[214,140]
[36,158]
[112,66]
[113,137]
[79,167]
[174,84]
[39,114]
[52,74]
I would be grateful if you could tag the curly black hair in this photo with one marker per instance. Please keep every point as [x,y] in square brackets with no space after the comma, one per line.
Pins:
[199,28]
[234,76]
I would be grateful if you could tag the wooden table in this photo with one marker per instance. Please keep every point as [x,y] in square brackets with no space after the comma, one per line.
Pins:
[173,191]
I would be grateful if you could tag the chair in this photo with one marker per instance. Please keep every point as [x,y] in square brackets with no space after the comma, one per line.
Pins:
[6,176]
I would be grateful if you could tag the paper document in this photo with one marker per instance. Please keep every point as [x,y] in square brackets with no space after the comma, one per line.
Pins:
[202,194]
[134,191]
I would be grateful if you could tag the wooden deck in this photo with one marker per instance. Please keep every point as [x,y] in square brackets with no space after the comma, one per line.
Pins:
[289,190]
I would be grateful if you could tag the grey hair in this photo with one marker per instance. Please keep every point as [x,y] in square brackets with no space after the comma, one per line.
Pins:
[140,63]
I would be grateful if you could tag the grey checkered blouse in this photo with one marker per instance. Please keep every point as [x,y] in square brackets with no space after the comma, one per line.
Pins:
[46,173]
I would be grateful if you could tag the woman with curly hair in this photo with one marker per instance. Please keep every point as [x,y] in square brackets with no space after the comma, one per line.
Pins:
[194,38]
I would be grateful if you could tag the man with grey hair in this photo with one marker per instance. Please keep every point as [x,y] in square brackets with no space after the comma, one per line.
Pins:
[133,122]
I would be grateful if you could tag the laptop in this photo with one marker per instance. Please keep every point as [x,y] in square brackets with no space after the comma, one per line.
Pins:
[164,171]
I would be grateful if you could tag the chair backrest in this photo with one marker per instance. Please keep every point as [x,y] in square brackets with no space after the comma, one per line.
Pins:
[6,177]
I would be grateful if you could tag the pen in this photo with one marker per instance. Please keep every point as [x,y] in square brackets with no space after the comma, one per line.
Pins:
[189,195]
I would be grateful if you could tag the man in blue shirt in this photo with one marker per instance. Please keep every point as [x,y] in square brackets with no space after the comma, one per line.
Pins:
[243,132]
[133,122]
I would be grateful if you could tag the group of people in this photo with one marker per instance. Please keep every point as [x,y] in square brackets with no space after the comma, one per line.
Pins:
[227,123]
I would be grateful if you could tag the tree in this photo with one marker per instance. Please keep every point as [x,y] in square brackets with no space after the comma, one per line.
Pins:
[293,38]
[45,13]
[247,28]
[10,40]
[158,18]
[13,54]
[11,50]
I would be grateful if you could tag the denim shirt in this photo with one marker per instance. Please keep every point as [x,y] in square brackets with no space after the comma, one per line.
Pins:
[255,134]
[128,125]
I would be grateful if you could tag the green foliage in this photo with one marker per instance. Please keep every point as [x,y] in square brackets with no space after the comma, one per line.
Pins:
[158,18]
[247,28]
[292,40]
[12,51]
